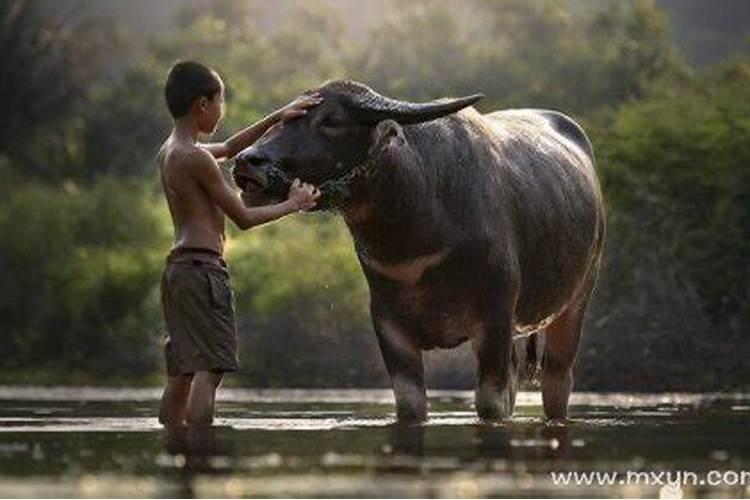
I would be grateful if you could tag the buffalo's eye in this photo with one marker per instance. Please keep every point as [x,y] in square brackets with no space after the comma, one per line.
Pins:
[331,123]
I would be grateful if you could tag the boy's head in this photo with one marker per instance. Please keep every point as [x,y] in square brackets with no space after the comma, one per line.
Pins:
[197,90]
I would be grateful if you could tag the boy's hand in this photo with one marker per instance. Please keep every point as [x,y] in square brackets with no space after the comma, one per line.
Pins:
[303,195]
[299,107]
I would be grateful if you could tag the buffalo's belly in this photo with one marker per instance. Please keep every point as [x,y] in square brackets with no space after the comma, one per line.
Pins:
[446,313]
[438,299]
[436,318]
[437,321]
[449,304]
[443,299]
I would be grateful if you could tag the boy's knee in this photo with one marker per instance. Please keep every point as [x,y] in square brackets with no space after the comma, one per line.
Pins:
[209,378]
[179,384]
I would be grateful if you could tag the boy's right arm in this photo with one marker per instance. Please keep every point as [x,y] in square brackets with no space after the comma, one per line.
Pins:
[247,136]
[207,173]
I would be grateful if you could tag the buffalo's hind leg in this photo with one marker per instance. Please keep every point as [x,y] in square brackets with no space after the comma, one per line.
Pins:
[403,360]
[562,338]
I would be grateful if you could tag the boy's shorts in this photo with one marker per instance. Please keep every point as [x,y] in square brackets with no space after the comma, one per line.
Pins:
[198,306]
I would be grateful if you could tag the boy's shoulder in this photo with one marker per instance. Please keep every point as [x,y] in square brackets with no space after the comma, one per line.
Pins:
[182,153]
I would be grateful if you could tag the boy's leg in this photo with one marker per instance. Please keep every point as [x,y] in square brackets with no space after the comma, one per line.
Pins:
[174,400]
[200,407]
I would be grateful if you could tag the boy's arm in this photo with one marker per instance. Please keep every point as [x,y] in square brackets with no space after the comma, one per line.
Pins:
[207,173]
[242,139]
[247,136]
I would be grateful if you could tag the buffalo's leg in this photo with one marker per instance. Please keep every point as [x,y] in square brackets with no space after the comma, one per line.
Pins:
[562,337]
[495,394]
[403,360]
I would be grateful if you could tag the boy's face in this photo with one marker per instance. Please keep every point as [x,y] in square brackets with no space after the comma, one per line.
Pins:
[211,112]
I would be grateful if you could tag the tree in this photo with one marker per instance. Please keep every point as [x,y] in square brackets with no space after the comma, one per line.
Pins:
[38,134]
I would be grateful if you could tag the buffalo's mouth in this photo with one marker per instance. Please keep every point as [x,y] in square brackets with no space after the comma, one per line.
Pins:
[261,184]
[250,182]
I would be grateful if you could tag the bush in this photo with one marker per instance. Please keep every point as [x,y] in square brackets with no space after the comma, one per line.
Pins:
[81,267]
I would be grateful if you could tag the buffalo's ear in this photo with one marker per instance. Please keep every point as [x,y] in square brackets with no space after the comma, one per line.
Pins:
[387,139]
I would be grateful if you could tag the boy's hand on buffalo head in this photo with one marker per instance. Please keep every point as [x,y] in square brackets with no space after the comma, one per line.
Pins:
[299,106]
[303,195]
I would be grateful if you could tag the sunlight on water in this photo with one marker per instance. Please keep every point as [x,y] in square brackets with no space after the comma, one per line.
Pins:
[107,442]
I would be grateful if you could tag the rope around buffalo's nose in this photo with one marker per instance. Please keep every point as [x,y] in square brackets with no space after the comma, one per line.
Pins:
[336,190]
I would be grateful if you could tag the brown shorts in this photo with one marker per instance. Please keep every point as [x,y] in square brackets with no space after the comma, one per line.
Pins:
[198,305]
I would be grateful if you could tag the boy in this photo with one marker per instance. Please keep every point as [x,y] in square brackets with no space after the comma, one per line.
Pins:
[197,299]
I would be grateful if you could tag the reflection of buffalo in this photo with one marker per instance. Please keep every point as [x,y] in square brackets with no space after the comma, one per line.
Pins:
[467,226]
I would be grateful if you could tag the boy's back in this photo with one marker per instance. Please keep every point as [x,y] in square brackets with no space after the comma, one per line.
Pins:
[198,220]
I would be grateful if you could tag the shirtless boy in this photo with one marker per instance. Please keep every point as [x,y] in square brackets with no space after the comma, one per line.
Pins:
[197,299]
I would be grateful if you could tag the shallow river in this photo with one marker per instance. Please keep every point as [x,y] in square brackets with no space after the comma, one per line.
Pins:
[106,442]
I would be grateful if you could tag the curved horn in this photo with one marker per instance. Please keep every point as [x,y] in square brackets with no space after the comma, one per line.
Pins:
[376,107]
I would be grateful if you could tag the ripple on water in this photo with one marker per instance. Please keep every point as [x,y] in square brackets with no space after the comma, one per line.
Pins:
[298,423]
[453,454]
[79,424]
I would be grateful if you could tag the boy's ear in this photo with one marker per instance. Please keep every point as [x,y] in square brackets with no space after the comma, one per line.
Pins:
[202,103]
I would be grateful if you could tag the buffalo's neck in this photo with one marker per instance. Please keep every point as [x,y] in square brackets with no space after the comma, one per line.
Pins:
[442,199]
[393,215]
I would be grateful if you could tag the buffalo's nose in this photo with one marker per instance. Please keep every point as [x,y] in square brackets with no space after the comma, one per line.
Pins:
[251,158]
[248,171]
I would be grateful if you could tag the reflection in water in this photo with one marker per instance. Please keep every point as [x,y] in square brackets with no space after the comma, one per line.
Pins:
[345,443]
[490,441]
[194,450]
[407,439]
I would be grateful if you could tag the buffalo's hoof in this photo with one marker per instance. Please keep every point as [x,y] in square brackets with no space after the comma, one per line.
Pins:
[492,405]
[556,413]
[556,421]
[493,413]
[556,389]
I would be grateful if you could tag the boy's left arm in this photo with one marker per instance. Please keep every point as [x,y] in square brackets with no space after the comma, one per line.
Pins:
[247,136]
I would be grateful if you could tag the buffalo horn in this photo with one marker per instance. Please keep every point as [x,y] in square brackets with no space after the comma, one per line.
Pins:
[376,107]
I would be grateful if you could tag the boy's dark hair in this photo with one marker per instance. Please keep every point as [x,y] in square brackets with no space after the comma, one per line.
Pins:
[186,82]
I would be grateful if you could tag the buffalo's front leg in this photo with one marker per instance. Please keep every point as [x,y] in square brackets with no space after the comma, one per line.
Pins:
[496,386]
[403,360]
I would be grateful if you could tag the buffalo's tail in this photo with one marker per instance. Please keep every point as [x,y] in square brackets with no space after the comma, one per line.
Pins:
[532,368]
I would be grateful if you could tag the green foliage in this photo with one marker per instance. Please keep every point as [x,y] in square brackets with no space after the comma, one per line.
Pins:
[308,261]
[415,52]
[707,34]
[304,305]
[80,268]
[675,163]
[46,70]
[520,54]
[262,70]
[125,122]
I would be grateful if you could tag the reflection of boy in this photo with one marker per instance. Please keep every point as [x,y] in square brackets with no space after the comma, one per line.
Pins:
[197,300]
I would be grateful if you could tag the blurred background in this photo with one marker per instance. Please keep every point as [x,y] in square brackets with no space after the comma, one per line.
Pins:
[662,87]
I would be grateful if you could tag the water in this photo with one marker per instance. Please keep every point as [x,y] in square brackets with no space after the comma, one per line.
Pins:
[106,442]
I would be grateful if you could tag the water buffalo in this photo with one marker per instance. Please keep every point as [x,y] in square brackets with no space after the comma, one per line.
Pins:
[467,226]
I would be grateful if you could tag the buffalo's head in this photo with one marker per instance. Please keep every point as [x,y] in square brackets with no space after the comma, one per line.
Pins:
[330,139]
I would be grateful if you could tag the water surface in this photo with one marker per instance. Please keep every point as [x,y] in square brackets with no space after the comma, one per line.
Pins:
[107,442]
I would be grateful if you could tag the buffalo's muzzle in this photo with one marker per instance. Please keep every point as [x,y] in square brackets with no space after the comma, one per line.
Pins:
[250,171]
